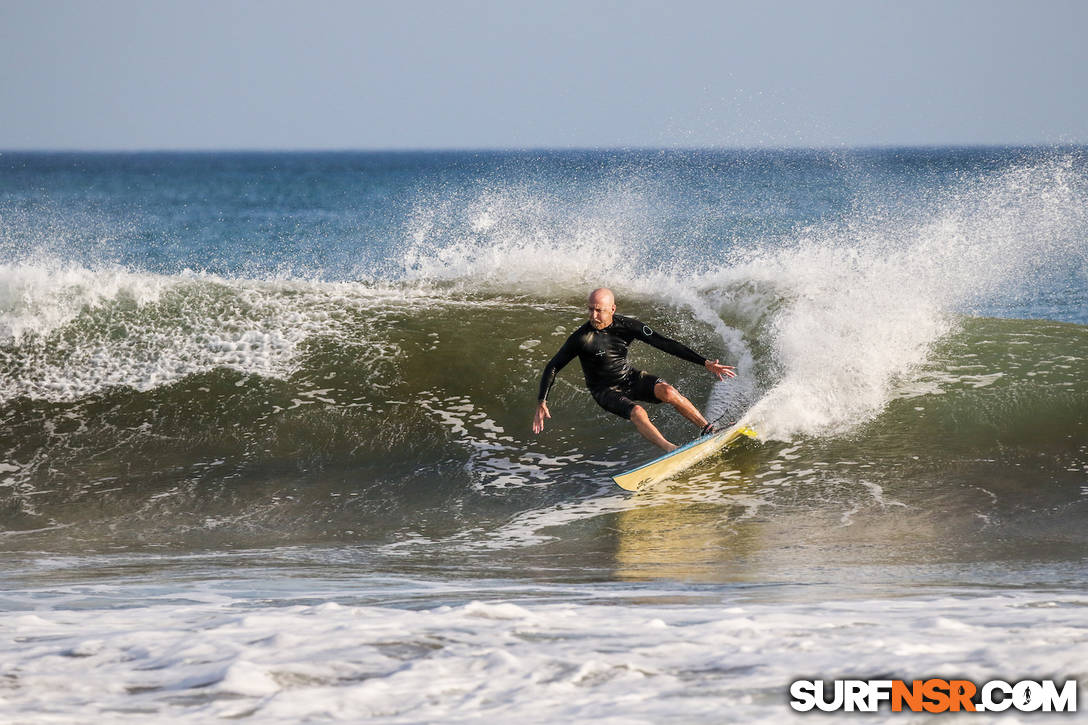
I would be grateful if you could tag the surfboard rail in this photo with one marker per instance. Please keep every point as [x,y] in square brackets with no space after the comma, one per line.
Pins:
[683,457]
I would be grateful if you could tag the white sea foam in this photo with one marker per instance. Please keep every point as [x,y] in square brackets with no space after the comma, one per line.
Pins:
[519,239]
[862,304]
[38,298]
[848,309]
[211,657]
[139,330]
[76,331]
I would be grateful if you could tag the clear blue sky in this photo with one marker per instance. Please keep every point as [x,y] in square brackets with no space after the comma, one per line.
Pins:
[272,74]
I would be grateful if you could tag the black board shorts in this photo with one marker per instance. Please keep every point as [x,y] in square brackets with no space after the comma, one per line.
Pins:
[620,399]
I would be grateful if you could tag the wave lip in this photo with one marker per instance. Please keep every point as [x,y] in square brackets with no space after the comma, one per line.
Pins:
[70,332]
[858,306]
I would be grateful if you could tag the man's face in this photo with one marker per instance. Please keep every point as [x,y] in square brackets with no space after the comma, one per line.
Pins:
[600,312]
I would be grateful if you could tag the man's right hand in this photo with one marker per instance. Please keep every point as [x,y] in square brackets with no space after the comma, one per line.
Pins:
[541,414]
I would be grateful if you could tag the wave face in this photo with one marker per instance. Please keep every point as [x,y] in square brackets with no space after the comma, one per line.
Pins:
[198,350]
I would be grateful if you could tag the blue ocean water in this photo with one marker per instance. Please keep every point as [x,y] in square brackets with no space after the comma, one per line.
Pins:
[265,448]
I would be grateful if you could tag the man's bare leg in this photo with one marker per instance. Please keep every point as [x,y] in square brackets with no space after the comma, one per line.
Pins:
[668,394]
[648,430]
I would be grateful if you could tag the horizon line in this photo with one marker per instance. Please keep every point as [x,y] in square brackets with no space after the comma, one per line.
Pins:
[538,149]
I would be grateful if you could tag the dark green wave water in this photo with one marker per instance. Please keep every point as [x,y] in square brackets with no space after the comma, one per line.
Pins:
[250,349]
[405,412]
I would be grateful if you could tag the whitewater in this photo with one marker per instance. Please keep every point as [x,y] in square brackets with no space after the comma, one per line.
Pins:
[265,448]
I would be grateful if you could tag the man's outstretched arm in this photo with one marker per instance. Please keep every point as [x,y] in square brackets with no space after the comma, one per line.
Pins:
[547,380]
[682,351]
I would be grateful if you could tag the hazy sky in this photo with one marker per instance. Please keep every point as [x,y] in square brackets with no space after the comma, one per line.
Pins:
[141,74]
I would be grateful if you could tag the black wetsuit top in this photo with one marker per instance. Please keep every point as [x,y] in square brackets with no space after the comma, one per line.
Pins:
[603,354]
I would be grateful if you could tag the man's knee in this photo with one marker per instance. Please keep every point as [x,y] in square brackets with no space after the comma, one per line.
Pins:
[666,393]
[638,414]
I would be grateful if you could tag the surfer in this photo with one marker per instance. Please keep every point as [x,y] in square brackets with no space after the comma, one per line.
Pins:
[601,346]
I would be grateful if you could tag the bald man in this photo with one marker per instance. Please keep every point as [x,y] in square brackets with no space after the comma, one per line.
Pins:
[601,346]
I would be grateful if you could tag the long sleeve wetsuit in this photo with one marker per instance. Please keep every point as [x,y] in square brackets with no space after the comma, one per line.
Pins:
[603,354]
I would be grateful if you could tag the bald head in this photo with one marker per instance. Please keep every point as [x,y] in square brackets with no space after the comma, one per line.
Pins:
[602,306]
[603,296]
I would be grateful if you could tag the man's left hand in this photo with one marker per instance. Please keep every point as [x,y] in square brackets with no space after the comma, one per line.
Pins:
[722,371]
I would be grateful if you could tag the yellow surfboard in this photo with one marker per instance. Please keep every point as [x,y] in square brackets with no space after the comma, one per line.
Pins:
[683,457]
